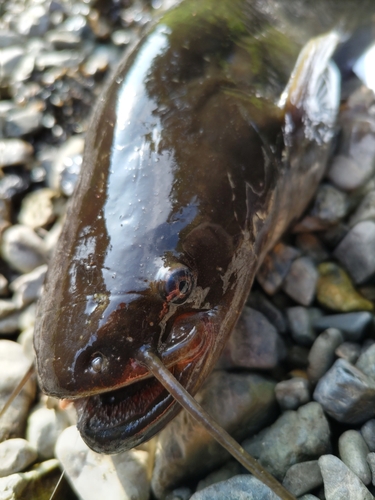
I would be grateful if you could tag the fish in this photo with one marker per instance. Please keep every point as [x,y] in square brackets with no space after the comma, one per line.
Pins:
[208,142]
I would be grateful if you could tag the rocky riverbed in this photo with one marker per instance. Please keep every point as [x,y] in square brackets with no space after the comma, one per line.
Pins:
[296,382]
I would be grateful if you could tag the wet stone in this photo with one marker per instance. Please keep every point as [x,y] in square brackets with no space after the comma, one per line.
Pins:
[335,290]
[340,483]
[14,152]
[353,451]
[300,282]
[243,487]
[349,351]
[22,248]
[290,440]
[365,210]
[293,393]
[368,433]
[356,251]
[303,477]
[300,321]
[322,353]
[186,449]
[353,325]
[346,394]
[275,267]
[366,362]
[28,287]
[15,455]
[254,343]
[94,476]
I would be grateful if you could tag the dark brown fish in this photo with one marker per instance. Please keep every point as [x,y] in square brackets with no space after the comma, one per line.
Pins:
[193,168]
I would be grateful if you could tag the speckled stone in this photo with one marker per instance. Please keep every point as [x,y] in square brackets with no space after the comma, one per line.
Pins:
[322,353]
[300,282]
[244,487]
[340,483]
[303,477]
[335,290]
[353,451]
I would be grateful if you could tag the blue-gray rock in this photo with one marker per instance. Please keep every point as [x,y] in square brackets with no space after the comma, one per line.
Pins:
[356,251]
[300,282]
[368,433]
[182,493]
[353,325]
[300,321]
[365,210]
[260,303]
[243,487]
[14,152]
[371,463]
[346,394]
[322,353]
[230,469]
[366,362]
[275,267]
[293,393]
[303,477]
[290,440]
[340,483]
[349,351]
[353,451]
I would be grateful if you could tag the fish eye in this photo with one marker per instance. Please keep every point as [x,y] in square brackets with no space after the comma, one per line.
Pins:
[97,363]
[177,284]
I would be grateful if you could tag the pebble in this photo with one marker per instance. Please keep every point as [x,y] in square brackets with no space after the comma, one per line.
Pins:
[33,21]
[23,121]
[6,307]
[260,303]
[365,210]
[22,248]
[254,343]
[27,287]
[289,440]
[366,362]
[275,267]
[13,184]
[184,448]
[13,366]
[230,469]
[353,325]
[243,487]
[353,451]
[356,251]
[368,433]
[66,166]
[303,477]
[14,152]
[293,393]
[371,463]
[10,324]
[347,173]
[10,57]
[346,394]
[340,483]
[335,290]
[300,321]
[322,353]
[37,209]
[93,476]
[15,455]
[312,247]
[349,351]
[300,282]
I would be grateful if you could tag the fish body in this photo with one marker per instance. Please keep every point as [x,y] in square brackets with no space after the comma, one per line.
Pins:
[202,150]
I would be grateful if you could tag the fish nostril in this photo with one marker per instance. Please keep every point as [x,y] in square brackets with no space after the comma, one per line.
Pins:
[97,363]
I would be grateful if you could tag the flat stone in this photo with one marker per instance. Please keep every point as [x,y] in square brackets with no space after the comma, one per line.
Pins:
[300,282]
[335,290]
[356,251]
[346,394]
[322,353]
[293,393]
[290,440]
[254,343]
[93,476]
[14,152]
[15,455]
[353,451]
[243,487]
[300,321]
[340,483]
[186,449]
[352,325]
[22,249]
[275,267]
[303,477]
[368,433]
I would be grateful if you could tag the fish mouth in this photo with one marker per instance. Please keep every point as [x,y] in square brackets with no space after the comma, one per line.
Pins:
[116,421]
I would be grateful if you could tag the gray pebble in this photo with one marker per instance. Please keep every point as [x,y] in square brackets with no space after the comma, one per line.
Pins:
[10,57]
[260,303]
[244,487]
[347,173]
[371,463]
[66,166]
[300,321]
[3,285]
[6,307]
[22,248]
[356,251]
[182,493]
[353,451]
[312,247]
[12,184]
[303,477]
[308,497]
[352,325]
[254,343]
[14,152]
[275,267]
[322,353]
[58,59]
[368,433]
[366,362]
[230,469]
[365,210]
[28,287]
[300,282]
[293,393]
[33,21]
[290,440]
[15,455]
[10,323]
[37,209]
[340,483]
[27,120]
[63,39]
[349,351]
[346,394]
